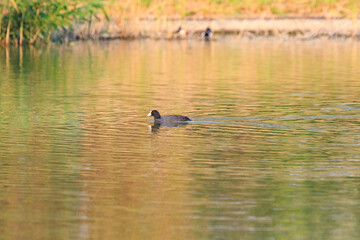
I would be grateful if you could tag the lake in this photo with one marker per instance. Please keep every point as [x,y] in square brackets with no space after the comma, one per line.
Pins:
[273,151]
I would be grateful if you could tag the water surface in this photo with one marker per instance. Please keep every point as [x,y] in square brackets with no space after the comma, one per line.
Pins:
[272,153]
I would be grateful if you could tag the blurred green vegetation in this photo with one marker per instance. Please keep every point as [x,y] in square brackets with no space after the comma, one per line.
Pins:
[28,21]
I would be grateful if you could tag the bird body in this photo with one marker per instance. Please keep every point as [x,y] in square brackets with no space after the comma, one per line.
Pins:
[180,33]
[167,118]
[206,35]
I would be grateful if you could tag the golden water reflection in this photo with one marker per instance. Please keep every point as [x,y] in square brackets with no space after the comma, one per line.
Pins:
[272,151]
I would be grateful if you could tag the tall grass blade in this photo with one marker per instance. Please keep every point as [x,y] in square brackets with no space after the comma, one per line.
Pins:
[15,6]
[33,39]
[21,40]
[7,38]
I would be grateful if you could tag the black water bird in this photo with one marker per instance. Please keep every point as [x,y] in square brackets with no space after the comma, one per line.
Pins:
[167,118]
[206,35]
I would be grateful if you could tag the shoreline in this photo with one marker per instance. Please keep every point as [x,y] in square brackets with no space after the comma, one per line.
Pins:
[284,28]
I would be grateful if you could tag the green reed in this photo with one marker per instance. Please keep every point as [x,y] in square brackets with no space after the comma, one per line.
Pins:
[30,21]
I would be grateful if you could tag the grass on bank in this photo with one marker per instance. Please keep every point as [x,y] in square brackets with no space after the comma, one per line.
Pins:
[233,8]
[30,21]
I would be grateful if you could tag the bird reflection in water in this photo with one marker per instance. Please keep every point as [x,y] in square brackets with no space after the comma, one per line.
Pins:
[157,125]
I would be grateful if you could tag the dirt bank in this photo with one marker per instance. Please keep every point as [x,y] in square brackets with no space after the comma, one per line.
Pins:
[299,28]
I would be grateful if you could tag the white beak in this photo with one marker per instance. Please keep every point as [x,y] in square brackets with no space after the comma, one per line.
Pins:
[149,114]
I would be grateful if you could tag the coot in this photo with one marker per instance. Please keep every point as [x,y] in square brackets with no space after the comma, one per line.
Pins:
[168,118]
[206,35]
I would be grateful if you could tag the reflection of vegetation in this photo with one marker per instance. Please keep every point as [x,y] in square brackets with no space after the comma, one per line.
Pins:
[27,21]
